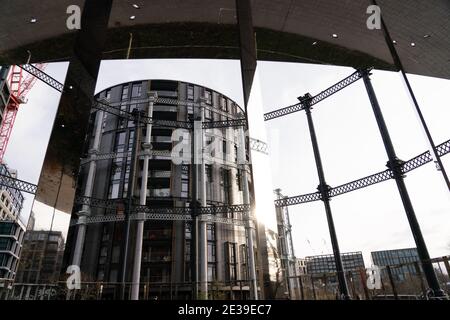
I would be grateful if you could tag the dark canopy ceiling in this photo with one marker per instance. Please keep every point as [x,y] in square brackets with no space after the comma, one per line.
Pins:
[286,30]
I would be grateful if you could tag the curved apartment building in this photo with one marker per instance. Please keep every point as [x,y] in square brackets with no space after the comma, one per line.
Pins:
[97,236]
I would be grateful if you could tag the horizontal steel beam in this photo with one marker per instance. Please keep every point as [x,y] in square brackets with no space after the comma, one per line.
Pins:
[158,216]
[42,76]
[316,99]
[114,109]
[116,203]
[416,162]
[17,184]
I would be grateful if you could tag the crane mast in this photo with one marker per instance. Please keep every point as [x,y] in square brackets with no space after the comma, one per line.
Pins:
[19,86]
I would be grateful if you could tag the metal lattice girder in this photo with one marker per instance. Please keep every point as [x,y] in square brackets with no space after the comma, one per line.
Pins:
[259,146]
[424,158]
[305,198]
[99,203]
[109,108]
[17,184]
[337,87]
[114,108]
[255,144]
[444,148]
[284,111]
[225,123]
[158,216]
[213,210]
[105,156]
[177,102]
[115,203]
[115,155]
[41,75]
[361,183]
[316,99]
[417,162]
[414,163]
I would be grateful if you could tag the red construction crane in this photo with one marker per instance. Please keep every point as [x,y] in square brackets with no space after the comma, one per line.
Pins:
[19,86]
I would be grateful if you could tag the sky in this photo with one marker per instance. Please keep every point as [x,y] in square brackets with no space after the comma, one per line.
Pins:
[351,147]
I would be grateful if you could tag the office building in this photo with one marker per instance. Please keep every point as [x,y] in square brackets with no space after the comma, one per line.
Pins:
[301,266]
[12,230]
[402,262]
[286,252]
[40,264]
[325,264]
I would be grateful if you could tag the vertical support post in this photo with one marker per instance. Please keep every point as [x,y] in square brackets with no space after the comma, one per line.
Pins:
[395,165]
[199,134]
[411,95]
[352,282]
[313,288]
[146,145]
[363,277]
[249,226]
[194,207]
[419,274]
[323,189]
[391,280]
[302,293]
[85,211]
[447,264]
[282,242]
[289,226]
[131,182]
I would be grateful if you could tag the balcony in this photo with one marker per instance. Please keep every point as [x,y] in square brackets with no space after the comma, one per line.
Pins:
[160,108]
[167,94]
[159,193]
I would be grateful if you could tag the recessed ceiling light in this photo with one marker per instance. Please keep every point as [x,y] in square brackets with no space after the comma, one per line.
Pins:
[413,44]
[33,20]
[427,36]
[334,35]
[136,6]
[132,17]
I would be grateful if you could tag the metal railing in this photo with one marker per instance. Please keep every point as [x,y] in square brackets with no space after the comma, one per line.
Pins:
[150,290]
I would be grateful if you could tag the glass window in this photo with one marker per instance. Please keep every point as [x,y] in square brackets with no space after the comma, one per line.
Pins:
[136,91]
[208,114]
[208,96]
[212,272]
[190,92]
[121,138]
[113,275]
[115,254]
[211,232]
[114,190]
[239,179]
[231,260]
[125,92]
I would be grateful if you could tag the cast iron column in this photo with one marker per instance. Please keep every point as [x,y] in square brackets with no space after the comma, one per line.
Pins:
[131,182]
[395,165]
[194,206]
[399,65]
[146,146]
[202,233]
[323,189]
[248,217]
